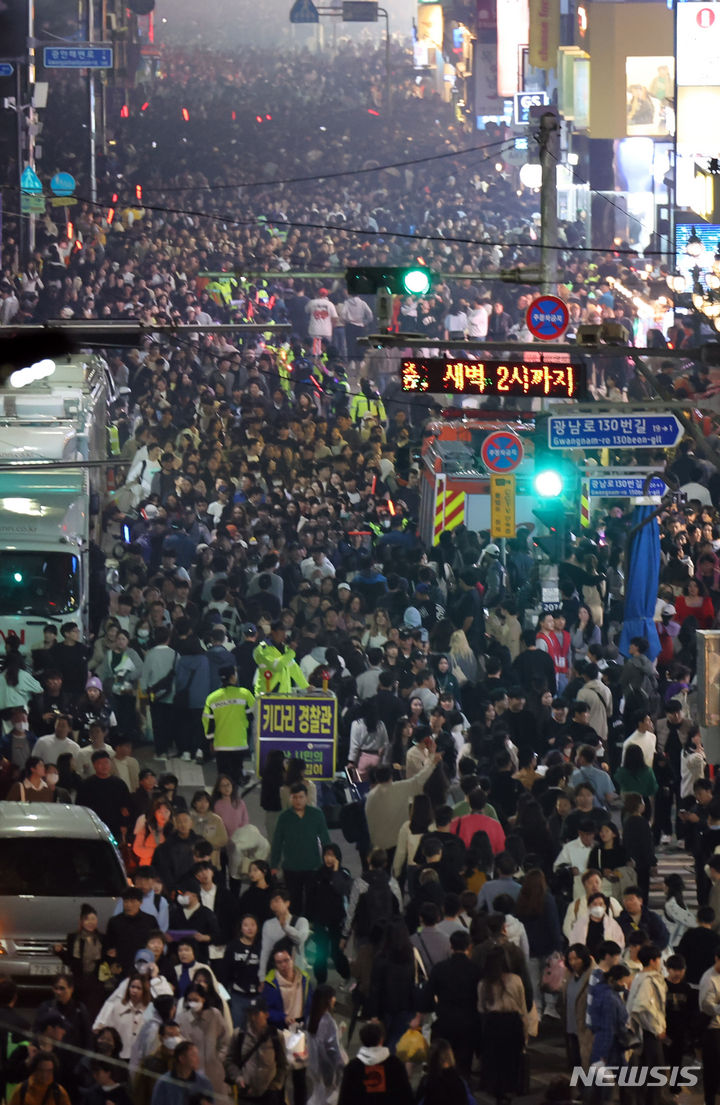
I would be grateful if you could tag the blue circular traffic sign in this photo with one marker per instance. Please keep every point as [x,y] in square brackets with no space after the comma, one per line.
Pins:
[547,317]
[502,451]
[62,184]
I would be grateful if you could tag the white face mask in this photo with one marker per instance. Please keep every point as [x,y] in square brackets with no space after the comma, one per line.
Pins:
[171,1042]
[23,725]
[597,911]
[183,899]
[196,1006]
[52,780]
[143,968]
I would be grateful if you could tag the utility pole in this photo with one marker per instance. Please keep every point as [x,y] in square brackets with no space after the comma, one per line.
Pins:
[549,139]
[92,107]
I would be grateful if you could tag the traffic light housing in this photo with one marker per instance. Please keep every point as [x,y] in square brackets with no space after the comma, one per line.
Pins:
[555,484]
[401,280]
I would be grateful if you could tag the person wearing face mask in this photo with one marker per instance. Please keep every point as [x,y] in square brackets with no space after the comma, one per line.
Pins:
[17,744]
[609,1017]
[156,1063]
[205,1027]
[597,925]
[188,916]
[125,1010]
[147,968]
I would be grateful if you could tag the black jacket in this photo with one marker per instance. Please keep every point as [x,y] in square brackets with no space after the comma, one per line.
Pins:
[109,798]
[204,921]
[453,984]
[127,935]
[328,892]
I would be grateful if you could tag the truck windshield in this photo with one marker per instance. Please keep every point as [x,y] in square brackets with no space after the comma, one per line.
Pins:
[49,867]
[38,583]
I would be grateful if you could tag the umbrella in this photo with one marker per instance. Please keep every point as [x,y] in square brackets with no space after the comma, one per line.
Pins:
[641,584]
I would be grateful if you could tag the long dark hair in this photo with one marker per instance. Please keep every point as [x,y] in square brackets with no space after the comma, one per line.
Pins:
[396,945]
[590,627]
[321,1001]
[216,795]
[443,1084]
[422,814]
[531,899]
[495,968]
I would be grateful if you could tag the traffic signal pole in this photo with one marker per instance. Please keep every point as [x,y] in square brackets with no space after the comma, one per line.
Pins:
[549,159]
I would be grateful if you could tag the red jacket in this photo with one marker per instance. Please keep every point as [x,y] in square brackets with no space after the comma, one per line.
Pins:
[466,827]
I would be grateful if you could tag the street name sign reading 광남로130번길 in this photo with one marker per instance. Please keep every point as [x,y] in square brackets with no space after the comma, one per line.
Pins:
[623,486]
[611,431]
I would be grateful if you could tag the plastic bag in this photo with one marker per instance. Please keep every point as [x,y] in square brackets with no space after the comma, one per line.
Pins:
[412,1047]
[295,1047]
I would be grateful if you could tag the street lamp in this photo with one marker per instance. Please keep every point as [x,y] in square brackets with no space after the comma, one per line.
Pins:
[694,246]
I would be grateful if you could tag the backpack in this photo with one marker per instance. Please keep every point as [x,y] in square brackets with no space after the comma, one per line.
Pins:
[377,905]
[281,1060]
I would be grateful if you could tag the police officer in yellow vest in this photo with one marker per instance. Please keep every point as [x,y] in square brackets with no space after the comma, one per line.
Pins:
[367,401]
[225,721]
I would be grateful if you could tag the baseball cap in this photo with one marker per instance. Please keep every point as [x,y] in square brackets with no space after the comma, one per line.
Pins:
[344,587]
[258,1005]
[668,609]
[144,956]
[248,629]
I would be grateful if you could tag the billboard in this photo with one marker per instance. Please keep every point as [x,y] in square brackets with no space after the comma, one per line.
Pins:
[649,91]
[709,235]
[698,44]
[513,28]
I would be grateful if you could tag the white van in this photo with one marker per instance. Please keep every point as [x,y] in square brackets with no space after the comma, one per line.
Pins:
[52,859]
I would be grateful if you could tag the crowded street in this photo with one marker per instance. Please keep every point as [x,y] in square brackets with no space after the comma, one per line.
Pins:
[359,565]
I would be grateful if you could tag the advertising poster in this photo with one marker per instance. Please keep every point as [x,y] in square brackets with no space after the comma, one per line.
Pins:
[649,92]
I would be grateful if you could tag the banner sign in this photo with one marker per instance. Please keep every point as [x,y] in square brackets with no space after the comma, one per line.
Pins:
[303,725]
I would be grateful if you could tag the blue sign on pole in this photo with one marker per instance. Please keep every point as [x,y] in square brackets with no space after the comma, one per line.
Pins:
[30,182]
[6,69]
[304,11]
[78,57]
[62,184]
[614,431]
[624,487]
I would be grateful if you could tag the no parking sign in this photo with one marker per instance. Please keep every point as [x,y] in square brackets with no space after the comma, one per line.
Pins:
[547,318]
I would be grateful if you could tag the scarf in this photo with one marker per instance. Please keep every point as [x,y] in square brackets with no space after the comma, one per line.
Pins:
[87,948]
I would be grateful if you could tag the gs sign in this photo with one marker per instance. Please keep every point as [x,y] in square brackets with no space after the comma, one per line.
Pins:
[524,102]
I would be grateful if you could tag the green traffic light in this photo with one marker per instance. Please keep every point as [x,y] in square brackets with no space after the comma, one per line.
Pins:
[416,281]
[548,484]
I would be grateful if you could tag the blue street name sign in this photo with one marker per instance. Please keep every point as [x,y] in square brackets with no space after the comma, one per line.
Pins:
[304,11]
[612,431]
[624,487]
[78,57]
[6,69]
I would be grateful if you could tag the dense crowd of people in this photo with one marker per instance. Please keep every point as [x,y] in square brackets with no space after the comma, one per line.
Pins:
[509,776]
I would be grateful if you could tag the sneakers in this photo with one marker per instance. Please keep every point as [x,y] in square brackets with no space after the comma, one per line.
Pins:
[186,758]
[199,756]
[665,839]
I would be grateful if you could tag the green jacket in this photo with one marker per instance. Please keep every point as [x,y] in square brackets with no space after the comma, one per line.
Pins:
[298,841]
[227,710]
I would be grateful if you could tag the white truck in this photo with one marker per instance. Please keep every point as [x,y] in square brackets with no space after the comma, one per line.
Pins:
[47,509]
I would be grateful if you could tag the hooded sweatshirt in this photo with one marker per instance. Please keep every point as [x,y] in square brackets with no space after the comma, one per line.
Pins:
[377,1077]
